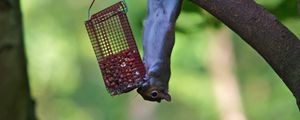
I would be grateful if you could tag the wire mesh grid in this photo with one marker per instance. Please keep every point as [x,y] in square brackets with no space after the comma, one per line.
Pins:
[115,48]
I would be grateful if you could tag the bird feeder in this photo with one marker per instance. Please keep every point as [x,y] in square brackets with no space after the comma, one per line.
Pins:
[115,48]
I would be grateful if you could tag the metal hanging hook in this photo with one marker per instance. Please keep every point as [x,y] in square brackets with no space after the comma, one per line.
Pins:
[89,10]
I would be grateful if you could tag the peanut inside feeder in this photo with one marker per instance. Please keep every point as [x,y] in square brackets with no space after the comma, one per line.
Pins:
[115,48]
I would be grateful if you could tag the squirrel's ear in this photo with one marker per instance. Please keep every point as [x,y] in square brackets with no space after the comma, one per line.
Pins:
[154,72]
[167,97]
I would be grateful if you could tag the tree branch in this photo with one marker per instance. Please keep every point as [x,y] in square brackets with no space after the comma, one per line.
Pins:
[15,102]
[260,29]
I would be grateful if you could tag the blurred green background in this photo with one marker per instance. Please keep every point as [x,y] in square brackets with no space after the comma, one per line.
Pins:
[66,82]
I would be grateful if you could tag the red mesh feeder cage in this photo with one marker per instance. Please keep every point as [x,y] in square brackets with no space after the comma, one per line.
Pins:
[115,48]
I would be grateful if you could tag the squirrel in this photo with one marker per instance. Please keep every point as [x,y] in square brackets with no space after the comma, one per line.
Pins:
[156,86]
[158,42]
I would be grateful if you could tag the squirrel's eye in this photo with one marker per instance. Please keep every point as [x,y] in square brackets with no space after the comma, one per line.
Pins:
[154,94]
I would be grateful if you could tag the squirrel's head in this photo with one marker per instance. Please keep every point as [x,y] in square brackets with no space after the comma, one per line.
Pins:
[154,90]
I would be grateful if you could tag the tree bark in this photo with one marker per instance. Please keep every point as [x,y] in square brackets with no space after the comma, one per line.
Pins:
[260,29]
[15,102]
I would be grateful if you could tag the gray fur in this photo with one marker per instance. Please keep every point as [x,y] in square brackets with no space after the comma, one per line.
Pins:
[158,40]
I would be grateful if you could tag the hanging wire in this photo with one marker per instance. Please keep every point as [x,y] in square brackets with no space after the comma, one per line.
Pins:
[89,11]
